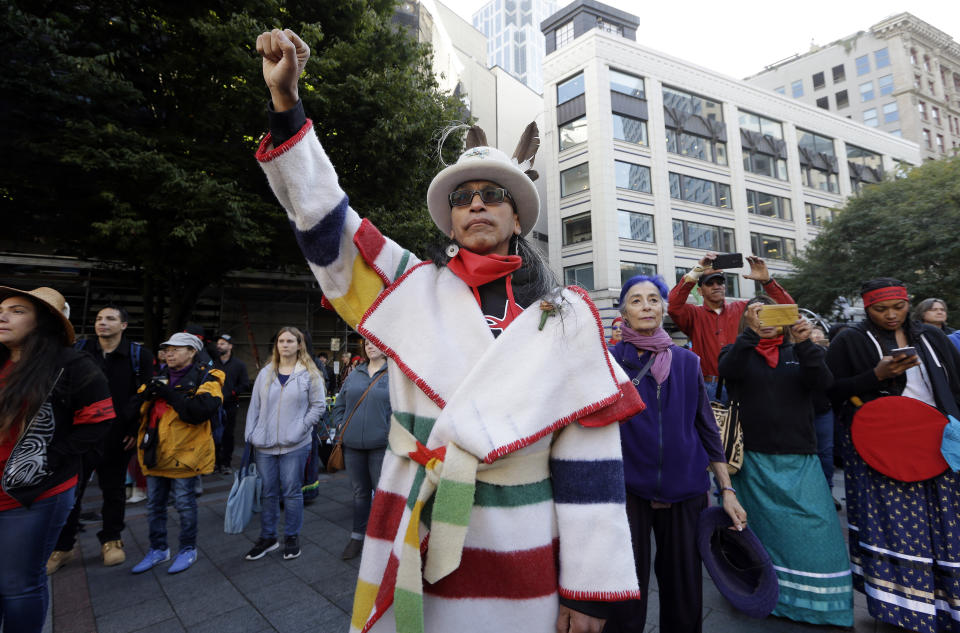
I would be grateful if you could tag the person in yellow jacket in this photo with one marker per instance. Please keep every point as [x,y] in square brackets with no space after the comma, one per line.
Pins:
[175,445]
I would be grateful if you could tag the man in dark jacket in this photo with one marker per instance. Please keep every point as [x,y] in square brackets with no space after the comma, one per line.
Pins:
[237,381]
[126,365]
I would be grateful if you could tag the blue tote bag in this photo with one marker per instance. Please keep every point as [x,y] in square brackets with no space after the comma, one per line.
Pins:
[244,497]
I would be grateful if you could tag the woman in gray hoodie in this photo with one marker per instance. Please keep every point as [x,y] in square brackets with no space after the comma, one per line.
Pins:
[286,403]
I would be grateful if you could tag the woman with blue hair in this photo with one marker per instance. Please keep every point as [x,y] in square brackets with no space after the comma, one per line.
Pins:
[666,450]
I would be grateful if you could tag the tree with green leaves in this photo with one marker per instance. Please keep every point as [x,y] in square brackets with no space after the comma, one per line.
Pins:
[905,228]
[130,129]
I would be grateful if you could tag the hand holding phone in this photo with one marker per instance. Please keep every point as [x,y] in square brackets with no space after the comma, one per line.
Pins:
[782,314]
[907,351]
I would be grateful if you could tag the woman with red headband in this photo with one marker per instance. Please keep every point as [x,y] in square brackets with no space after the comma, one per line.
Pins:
[904,527]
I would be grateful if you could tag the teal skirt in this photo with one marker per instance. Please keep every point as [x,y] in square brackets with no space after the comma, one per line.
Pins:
[790,509]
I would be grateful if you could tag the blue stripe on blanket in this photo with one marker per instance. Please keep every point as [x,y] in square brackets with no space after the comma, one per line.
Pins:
[598,481]
[321,242]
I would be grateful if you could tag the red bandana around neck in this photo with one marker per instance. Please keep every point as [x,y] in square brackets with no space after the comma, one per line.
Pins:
[884,294]
[769,348]
[477,270]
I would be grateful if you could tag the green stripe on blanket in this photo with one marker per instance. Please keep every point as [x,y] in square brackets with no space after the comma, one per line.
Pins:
[493,496]
[418,426]
[453,502]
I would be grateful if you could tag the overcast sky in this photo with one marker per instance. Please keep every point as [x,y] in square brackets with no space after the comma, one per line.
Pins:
[740,37]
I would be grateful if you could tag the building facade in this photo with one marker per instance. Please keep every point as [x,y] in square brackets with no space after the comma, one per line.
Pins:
[514,40]
[901,76]
[654,161]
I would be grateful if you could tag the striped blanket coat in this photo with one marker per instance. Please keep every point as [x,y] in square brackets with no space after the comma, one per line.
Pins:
[503,486]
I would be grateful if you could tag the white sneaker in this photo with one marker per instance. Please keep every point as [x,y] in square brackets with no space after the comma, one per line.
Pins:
[138,495]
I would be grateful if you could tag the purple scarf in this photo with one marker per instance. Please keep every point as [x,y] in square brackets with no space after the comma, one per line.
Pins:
[658,342]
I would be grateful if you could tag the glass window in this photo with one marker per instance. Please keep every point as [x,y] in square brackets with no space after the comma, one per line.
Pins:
[773,247]
[695,146]
[692,104]
[881,58]
[780,90]
[581,275]
[796,88]
[701,191]
[885,84]
[863,65]
[627,84]
[763,125]
[842,100]
[818,215]
[823,102]
[628,129]
[703,236]
[570,89]
[866,91]
[768,205]
[630,176]
[935,114]
[839,74]
[635,226]
[815,142]
[632,269]
[573,133]
[922,109]
[870,117]
[822,180]
[576,229]
[574,180]
[818,81]
[926,139]
[564,34]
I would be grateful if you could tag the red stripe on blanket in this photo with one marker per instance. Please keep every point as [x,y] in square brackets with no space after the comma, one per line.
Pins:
[95,412]
[369,241]
[265,155]
[518,575]
[623,409]
[389,351]
[385,515]
[600,596]
[385,594]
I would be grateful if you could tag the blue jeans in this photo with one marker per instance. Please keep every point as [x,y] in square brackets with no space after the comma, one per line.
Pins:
[282,475]
[27,537]
[824,426]
[712,392]
[184,500]
[363,468]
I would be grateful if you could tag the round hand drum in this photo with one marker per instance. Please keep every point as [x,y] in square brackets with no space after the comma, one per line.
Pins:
[900,437]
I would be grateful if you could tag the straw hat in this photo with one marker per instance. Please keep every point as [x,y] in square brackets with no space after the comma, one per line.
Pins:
[50,299]
[482,162]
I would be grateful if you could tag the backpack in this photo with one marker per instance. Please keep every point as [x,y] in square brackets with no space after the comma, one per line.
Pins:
[135,348]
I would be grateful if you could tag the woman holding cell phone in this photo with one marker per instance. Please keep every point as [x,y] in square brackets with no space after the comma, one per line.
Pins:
[773,371]
[904,534]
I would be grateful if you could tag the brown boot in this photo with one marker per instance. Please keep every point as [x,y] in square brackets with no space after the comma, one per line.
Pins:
[112,553]
[58,559]
[354,547]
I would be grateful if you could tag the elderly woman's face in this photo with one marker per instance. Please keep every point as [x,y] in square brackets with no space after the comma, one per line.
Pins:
[936,315]
[643,308]
[484,228]
[890,314]
[179,356]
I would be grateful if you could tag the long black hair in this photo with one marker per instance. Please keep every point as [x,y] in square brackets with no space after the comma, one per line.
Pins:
[532,282]
[27,384]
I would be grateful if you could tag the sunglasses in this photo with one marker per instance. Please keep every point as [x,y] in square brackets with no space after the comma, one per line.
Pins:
[715,282]
[490,195]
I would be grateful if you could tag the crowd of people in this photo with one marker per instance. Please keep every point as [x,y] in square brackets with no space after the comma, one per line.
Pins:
[507,460]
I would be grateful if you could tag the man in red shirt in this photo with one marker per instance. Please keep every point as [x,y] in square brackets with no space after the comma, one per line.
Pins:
[714,324]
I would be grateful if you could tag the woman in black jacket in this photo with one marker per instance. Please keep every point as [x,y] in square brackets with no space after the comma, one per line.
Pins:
[773,373]
[904,536]
[54,406]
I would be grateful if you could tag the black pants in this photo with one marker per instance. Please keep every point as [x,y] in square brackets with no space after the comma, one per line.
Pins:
[225,449]
[111,476]
[677,566]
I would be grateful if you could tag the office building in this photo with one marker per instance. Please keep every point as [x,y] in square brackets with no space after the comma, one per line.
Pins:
[652,161]
[514,40]
[901,76]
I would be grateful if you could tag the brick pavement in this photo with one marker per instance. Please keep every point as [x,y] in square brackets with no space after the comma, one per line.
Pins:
[222,593]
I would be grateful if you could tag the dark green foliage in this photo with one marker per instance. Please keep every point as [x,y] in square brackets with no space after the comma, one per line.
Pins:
[906,228]
[129,132]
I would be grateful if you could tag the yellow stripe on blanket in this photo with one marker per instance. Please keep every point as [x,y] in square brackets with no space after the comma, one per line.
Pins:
[363,601]
[365,287]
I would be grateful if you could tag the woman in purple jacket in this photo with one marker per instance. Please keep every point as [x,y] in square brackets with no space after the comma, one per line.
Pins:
[666,450]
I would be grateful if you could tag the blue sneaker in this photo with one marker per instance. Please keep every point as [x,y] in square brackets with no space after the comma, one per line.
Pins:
[185,557]
[153,558]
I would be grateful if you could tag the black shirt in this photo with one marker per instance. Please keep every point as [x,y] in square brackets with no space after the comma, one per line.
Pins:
[123,379]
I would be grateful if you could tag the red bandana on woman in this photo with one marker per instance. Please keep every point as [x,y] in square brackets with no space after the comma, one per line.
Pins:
[769,348]
[478,270]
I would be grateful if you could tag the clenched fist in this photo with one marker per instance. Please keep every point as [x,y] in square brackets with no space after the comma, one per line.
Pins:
[284,57]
